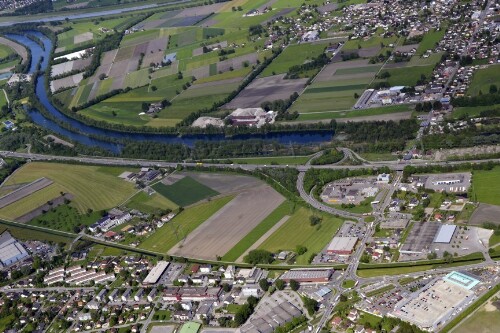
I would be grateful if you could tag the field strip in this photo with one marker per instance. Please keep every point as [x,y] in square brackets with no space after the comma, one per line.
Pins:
[6,97]
[24,191]
[19,49]
[264,237]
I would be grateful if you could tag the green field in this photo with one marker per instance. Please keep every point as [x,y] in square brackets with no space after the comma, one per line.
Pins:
[150,203]
[28,234]
[3,98]
[472,111]
[483,79]
[430,40]
[408,76]
[485,320]
[348,284]
[165,238]
[298,231]
[293,55]
[354,113]
[5,51]
[185,192]
[65,218]
[483,191]
[258,232]
[93,187]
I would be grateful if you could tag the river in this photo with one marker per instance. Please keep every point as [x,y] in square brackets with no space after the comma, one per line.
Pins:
[81,130]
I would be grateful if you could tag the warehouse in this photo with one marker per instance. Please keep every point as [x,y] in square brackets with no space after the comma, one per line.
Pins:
[313,275]
[155,273]
[342,245]
[445,233]
[11,251]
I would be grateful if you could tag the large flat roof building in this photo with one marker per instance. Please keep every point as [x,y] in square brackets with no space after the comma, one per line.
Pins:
[308,275]
[11,251]
[445,233]
[156,272]
[342,245]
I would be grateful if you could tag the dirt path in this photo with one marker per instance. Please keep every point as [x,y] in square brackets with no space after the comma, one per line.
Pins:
[264,237]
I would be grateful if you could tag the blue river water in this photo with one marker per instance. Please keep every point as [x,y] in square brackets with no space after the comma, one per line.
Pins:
[81,130]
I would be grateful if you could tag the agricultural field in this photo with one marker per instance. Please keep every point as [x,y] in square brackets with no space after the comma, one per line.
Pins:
[221,232]
[481,186]
[293,55]
[408,76]
[5,51]
[298,231]
[174,231]
[92,187]
[185,192]
[150,203]
[483,79]
[65,218]
[84,32]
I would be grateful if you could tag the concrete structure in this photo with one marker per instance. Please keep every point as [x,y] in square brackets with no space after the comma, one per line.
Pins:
[156,272]
[462,280]
[278,316]
[313,275]
[342,245]
[251,117]
[445,233]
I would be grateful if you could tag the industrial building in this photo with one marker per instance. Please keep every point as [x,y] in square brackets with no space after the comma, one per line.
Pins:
[156,272]
[342,245]
[313,275]
[11,251]
[445,233]
[278,316]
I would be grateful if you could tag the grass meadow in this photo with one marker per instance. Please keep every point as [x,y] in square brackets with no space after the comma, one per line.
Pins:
[483,190]
[483,79]
[298,231]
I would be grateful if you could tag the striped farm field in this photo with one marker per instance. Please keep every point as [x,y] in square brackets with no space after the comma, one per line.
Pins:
[93,187]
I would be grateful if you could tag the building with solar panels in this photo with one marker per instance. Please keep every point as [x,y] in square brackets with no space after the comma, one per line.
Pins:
[11,251]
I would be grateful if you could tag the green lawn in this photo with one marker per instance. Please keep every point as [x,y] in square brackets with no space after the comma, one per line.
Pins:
[348,284]
[185,192]
[408,76]
[293,55]
[298,231]
[28,234]
[430,40]
[482,80]
[6,321]
[258,232]
[165,237]
[494,240]
[5,51]
[483,191]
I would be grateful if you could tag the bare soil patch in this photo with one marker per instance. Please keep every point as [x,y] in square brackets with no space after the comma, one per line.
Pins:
[224,184]
[230,224]
[266,89]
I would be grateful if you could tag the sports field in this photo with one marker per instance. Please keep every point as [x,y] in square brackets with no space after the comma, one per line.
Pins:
[483,79]
[177,229]
[92,186]
[482,181]
[185,192]
[298,231]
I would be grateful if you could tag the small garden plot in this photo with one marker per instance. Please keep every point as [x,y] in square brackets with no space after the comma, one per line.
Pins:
[185,192]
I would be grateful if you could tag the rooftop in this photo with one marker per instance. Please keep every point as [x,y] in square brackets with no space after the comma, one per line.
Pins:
[445,233]
[342,243]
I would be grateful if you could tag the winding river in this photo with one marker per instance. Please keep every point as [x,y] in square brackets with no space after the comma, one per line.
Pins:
[81,130]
